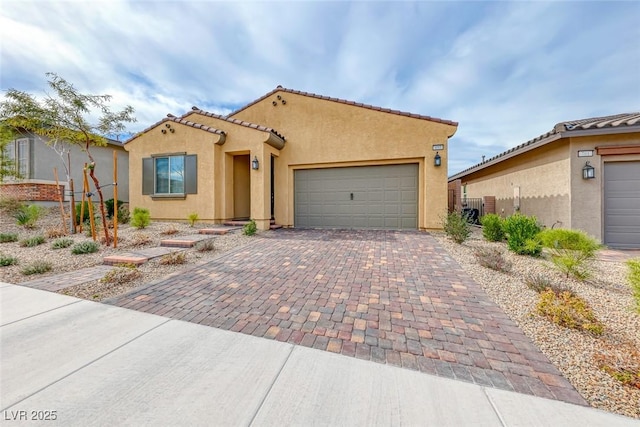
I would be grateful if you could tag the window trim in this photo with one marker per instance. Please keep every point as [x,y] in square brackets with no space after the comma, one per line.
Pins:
[181,194]
[149,176]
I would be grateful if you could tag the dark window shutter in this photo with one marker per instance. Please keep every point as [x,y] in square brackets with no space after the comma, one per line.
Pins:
[191,174]
[147,176]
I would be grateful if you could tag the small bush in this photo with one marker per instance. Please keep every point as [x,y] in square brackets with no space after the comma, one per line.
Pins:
[29,215]
[568,310]
[87,247]
[634,280]
[170,230]
[541,283]
[139,239]
[85,213]
[141,218]
[621,362]
[250,228]
[54,233]
[61,243]
[11,205]
[521,231]
[120,275]
[456,227]
[492,258]
[123,215]
[36,267]
[193,218]
[492,228]
[570,250]
[205,246]
[7,260]
[174,258]
[8,237]
[109,206]
[32,241]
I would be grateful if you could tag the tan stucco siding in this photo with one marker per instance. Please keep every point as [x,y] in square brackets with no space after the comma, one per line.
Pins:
[321,133]
[542,178]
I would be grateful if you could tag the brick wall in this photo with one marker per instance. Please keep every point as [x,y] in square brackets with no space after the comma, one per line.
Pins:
[455,195]
[33,192]
[489,203]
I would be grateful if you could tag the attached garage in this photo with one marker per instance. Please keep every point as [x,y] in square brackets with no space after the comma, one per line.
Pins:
[622,204]
[376,197]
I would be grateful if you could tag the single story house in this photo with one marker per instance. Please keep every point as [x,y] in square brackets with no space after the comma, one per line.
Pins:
[34,160]
[583,174]
[296,159]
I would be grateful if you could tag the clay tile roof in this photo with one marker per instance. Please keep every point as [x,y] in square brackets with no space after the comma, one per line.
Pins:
[235,121]
[618,121]
[172,118]
[344,101]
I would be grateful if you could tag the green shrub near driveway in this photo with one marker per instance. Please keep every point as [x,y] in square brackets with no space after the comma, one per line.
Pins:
[88,247]
[521,231]
[456,226]
[141,218]
[634,280]
[7,260]
[570,250]
[61,243]
[36,267]
[250,228]
[32,241]
[8,237]
[492,229]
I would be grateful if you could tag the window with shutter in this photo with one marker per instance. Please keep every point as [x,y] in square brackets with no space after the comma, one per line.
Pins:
[169,175]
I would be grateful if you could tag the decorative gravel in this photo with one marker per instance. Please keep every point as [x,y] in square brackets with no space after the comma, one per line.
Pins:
[571,351]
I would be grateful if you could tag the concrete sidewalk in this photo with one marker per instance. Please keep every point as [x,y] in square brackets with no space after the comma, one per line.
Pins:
[85,363]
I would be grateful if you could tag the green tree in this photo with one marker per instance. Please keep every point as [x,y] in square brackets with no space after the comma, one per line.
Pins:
[70,116]
[7,164]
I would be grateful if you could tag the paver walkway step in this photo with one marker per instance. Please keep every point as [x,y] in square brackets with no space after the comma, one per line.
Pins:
[138,257]
[184,241]
[217,230]
[65,280]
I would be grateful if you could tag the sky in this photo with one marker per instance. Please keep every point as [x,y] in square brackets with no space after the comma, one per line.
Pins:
[505,71]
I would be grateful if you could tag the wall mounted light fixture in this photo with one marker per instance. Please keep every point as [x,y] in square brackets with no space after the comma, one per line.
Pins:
[255,164]
[437,160]
[588,171]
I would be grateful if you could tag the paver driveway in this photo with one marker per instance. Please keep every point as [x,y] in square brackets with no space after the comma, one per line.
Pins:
[386,296]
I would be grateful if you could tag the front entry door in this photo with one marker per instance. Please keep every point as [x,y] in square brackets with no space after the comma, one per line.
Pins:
[241,187]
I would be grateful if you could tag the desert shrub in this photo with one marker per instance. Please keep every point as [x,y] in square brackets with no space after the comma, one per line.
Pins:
[568,310]
[634,280]
[521,231]
[61,243]
[123,215]
[620,361]
[8,237]
[36,267]
[174,258]
[121,274]
[29,215]
[32,241]
[205,246]
[87,247]
[570,250]
[492,228]
[7,260]
[139,239]
[11,205]
[192,218]
[250,228]
[492,258]
[109,206]
[170,230]
[456,226]
[141,218]
[54,233]
[541,283]
[85,213]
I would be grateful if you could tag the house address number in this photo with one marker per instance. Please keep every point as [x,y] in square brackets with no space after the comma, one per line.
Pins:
[436,147]
[585,153]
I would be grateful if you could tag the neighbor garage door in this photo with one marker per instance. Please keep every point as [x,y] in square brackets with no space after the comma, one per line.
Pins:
[384,197]
[622,204]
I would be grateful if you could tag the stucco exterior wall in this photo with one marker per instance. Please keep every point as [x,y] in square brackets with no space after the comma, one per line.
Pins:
[541,177]
[322,133]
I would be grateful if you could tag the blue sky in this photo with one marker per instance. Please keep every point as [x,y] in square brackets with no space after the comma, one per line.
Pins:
[506,71]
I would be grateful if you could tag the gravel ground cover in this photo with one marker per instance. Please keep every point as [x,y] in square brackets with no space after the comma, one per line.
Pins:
[572,352]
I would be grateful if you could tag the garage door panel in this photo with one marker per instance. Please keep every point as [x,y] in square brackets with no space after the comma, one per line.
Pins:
[357,197]
[622,204]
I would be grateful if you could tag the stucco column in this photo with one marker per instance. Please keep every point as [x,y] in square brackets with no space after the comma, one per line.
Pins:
[260,190]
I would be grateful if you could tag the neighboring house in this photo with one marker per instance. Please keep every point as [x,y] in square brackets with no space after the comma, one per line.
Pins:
[583,174]
[297,159]
[35,161]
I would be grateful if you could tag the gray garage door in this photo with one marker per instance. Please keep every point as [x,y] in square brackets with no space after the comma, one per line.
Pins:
[622,204]
[384,197]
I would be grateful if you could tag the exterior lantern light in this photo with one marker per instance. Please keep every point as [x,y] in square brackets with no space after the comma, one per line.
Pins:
[255,165]
[588,171]
[437,160]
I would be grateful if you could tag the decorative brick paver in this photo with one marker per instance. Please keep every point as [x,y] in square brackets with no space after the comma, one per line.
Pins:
[384,296]
[57,282]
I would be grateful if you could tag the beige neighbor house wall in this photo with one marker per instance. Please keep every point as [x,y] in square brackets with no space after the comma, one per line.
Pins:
[542,178]
[321,133]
